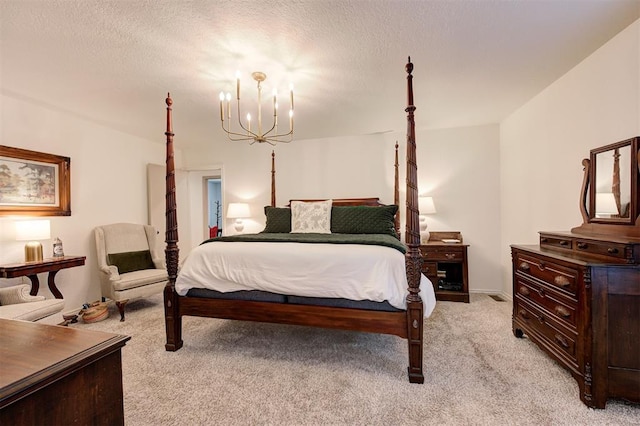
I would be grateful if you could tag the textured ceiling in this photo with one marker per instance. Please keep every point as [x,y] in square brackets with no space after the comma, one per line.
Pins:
[112,62]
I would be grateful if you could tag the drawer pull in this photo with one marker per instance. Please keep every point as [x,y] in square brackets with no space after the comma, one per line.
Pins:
[523,291]
[542,266]
[525,266]
[562,311]
[562,340]
[560,280]
[541,292]
[612,250]
[450,255]
[543,239]
[564,243]
[583,246]
[524,314]
[540,319]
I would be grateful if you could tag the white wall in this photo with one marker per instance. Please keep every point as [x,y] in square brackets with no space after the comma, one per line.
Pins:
[543,143]
[530,167]
[108,184]
[458,167]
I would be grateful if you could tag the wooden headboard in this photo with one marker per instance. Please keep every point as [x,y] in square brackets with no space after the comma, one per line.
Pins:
[373,201]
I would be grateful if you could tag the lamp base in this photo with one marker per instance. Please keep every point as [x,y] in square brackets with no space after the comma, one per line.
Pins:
[424,236]
[238,225]
[33,252]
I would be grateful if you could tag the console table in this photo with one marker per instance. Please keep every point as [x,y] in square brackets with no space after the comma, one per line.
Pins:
[59,375]
[31,269]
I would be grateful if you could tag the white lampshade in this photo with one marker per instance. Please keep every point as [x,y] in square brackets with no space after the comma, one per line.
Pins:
[238,211]
[33,231]
[605,204]
[426,205]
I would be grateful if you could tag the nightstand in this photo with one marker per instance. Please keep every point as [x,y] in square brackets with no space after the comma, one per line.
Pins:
[445,264]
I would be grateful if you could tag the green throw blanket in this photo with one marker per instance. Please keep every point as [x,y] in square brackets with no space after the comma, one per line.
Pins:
[366,239]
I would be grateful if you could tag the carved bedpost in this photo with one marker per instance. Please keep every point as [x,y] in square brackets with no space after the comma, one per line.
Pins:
[396,192]
[273,178]
[412,239]
[173,321]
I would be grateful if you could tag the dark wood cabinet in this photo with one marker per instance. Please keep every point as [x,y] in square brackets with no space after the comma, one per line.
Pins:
[578,299]
[53,375]
[445,264]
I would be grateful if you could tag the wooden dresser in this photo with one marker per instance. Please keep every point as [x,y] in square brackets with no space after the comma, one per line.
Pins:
[577,294]
[578,299]
[54,375]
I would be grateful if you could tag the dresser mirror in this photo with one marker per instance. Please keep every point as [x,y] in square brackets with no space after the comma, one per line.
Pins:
[610,194]
[609,197]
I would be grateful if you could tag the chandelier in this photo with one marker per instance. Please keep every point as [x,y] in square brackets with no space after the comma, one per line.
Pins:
[246,133]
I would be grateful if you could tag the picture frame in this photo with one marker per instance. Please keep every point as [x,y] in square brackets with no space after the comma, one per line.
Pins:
[34,183]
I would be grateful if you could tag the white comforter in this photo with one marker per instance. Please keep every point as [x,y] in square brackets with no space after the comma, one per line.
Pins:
[348,271]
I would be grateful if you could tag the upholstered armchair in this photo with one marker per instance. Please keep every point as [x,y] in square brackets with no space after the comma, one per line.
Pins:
[129,262]
[17,303]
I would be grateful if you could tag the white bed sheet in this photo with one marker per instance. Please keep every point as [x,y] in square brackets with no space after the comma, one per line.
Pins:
[348,271]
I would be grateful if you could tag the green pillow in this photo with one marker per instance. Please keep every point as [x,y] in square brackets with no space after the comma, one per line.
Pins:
[278,220]
[363,219]
[131,261]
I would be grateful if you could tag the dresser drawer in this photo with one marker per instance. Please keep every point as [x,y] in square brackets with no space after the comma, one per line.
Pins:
[603,248]
[560,340]
[550,272]
[430,269]
[550,301]
[442,253]
[555,241]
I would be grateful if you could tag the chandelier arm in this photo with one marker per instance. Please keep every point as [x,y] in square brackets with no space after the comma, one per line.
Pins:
[290,133]
[240,121]
[240,139]
[242,135]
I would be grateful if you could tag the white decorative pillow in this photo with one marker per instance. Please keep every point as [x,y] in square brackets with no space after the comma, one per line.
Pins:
[311,217]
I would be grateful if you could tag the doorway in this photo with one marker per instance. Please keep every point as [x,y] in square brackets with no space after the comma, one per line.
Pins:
[213,202]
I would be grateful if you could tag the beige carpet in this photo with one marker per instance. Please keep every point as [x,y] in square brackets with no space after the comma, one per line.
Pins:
[229,372]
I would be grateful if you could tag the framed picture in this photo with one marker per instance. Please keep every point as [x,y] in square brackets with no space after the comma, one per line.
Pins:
[34,183]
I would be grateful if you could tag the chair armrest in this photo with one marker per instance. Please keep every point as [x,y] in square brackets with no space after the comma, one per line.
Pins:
[159,264]
[18,294]
[111,271]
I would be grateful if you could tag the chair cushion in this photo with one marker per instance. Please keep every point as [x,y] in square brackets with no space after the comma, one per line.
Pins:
[131,261]
[139,278]
[32,311]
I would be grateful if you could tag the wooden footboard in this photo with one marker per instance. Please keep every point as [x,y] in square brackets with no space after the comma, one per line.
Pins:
[405,324]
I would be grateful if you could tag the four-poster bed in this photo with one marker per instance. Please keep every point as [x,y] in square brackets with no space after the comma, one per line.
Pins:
[404,320]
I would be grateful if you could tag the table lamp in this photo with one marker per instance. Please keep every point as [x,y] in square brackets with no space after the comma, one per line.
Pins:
[425,207]
[238,211]
[33,231]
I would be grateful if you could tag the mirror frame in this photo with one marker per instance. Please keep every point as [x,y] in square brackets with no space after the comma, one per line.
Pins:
[618,227]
